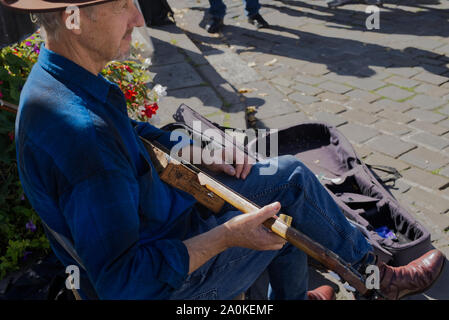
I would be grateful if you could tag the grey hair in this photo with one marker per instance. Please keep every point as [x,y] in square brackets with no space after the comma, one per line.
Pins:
[51,21]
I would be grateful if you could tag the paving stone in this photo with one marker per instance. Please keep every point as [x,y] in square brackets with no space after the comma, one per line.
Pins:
[364,106]
[396,116]
[176,76]
[444,172]
[283,121]
[426,102]
[315,69]
[203,99]
[224,89]
[402,82]
[335,87]
[403,71]
[286,91]
[362,95]
[235,120]
[425,178]
[394,93]
[429,140]
[398,186]
[359,116]
[443,49]
[425,159]
[302,98]
[306,89]
[429,127]
[362,151]
[390,145]
[424,115]
[366,84]
[232,68]
[358,133]
[329,118]
[268,100]
[428,200]
[388,104]
[431,78]
[330,96]
[444,123]
[432,90]
[282,81]
[309,79]
[391,127]
[328,107]
[383,160]
[166,53]
[444,110]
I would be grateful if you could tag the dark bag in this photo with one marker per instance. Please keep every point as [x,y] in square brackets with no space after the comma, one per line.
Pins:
[14,26]
[42,280]
[363,199]
[156,12]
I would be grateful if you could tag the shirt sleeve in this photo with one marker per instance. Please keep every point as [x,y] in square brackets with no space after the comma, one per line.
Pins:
[102,214]
[166,138]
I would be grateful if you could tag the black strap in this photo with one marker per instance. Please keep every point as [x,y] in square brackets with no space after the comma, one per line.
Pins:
[65,243]
[394,173]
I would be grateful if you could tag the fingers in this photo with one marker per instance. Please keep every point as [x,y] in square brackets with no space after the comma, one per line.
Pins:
[219,167]
[268,211]
[246,170]
[274,241]
[242,165]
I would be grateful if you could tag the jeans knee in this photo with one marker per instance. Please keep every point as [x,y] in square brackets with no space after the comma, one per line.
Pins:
[289,165]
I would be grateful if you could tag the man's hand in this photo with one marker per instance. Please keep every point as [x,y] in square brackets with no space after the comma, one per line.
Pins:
[245,230]
[230,160]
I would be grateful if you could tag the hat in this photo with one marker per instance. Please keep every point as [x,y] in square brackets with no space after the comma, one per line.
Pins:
[47,5]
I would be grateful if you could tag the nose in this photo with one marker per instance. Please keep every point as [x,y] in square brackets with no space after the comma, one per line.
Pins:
[139,20]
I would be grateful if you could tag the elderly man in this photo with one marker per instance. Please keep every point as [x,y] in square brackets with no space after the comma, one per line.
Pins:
[90,179]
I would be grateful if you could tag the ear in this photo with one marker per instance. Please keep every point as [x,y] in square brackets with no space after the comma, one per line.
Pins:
[71,19]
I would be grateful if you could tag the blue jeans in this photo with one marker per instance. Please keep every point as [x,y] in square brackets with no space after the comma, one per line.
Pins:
[314,213]
[218,8]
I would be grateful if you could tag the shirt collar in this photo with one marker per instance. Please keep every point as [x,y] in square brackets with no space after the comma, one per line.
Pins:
[68,71]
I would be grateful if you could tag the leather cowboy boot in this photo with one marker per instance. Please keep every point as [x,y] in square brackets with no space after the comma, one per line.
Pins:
[416,277]
[321,293]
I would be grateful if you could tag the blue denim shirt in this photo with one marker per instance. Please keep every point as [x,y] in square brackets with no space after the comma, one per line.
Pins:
[88,176]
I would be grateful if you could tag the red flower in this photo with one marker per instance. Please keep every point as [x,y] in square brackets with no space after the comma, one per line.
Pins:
[11,136]
[151,109]
[130,95]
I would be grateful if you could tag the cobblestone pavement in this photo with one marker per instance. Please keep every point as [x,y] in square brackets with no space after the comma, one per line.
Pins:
[387,90]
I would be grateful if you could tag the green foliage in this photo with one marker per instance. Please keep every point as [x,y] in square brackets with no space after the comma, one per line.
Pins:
[21,234]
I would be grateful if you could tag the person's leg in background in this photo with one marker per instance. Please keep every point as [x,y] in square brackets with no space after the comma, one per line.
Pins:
[217,11]
[252,8]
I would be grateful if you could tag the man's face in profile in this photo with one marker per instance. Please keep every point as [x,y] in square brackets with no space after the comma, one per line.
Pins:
[108,32]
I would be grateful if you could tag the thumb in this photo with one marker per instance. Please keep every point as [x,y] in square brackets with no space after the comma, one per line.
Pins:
[268,211]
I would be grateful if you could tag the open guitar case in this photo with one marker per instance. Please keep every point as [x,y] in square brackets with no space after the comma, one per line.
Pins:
[395,234]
